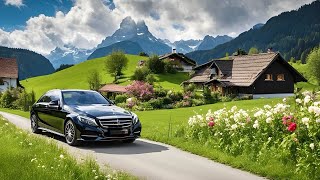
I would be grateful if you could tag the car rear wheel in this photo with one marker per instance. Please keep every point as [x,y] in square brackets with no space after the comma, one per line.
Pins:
[34,124]
[70,133]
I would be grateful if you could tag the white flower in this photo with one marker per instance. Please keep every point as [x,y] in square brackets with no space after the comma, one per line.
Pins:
[316,103]
[258,113]
[305,120]
[269,120]
[312,146]
[34,159]
[234,126]
[299,101]
[129,100]
[61,156]
[268,114]
[284,100]
[307,99]
[30,144]
[318,121]
[256,125]
[267,106]
[269,138]
[6,124]
[94,170]
[234,108]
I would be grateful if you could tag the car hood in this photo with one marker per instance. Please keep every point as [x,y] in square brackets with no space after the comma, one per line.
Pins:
[100,110]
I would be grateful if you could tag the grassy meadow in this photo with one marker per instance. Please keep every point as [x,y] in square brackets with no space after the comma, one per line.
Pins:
[26,156]
[75,77]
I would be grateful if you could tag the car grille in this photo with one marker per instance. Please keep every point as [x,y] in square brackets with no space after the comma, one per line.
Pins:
[119,122]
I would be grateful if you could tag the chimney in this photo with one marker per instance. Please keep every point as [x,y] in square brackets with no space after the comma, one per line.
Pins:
[270,50]
[174,51]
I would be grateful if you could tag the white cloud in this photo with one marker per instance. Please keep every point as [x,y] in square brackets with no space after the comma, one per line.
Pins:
[89,22]
[17,3]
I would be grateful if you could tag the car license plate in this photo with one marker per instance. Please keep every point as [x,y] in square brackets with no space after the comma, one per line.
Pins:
[118,132]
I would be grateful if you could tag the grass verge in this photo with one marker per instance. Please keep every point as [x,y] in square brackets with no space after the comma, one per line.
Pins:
[25,156]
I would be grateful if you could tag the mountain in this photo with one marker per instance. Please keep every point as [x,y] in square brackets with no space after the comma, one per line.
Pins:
[258,26]
[292,33]
[185,46]
[127,47]
[136,32]
[68,55]
[210,42]
[30,63]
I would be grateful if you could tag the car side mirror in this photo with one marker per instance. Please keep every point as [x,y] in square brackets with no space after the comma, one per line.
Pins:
[54,104]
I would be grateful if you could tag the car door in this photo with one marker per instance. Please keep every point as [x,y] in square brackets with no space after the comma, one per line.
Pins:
[42,110]
[56,115]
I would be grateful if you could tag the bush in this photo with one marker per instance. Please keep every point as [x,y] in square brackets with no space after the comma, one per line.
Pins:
[197,102]
[160,92]
[175,96]
[150,79]
[207,96]
[156,103]
[121,98]
[155,65]
[94,80]
[140,90]
[140,74]
[7,99]
[190,87]
[24,101]
[166,100]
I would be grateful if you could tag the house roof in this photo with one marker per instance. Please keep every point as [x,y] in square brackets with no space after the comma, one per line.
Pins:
[181,56]
[8,68]
[113,88]
[246,69]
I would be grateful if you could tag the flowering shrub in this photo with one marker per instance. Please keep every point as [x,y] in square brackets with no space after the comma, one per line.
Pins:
[141,90]
[285,132]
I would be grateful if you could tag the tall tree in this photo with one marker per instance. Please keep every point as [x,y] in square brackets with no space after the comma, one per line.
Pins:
[313,64]
[94,80]
[115,63]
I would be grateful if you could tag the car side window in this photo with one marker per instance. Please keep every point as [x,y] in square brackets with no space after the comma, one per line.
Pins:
[45,98]
[50,96]
[55,96]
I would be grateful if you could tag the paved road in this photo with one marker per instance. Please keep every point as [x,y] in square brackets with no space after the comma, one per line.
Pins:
[148,159]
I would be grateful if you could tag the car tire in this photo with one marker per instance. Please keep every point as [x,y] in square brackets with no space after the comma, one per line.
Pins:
[70,133]
[34,124]
[129,141]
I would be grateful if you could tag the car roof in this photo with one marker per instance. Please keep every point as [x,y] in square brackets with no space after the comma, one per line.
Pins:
[67,90]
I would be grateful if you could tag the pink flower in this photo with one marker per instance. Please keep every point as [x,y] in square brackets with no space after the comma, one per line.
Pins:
[292,127]
[211,123]
[211,118]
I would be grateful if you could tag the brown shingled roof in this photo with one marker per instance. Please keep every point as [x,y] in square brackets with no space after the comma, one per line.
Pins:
[182,57]
[113,88]
[8,68]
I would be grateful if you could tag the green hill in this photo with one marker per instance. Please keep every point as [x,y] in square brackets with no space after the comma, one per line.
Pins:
[75,77]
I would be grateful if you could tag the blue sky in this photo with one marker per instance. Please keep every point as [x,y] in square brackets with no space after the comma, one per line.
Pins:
[13,17]
[43,25]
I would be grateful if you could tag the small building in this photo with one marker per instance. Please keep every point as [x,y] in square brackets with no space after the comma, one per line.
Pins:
[141,63]
[259,75]
[184,64]
[8,74]
[111,90]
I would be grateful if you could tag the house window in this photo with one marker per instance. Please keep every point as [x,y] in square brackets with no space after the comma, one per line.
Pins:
[1,81]
[268,77]
[280,77]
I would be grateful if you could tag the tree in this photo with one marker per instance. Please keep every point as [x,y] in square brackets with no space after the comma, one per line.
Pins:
[313,64]
[253,50]
[115,63]
[155,65]
[143,54]
[140,74]
[94,80]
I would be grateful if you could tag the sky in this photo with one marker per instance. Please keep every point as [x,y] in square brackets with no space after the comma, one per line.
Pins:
[43,25]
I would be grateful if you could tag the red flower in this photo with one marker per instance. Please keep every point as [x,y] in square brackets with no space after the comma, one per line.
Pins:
[292,127]
[211,123]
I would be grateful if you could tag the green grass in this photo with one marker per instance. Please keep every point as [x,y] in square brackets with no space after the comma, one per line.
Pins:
[75,77]
[303,69]
[25,156]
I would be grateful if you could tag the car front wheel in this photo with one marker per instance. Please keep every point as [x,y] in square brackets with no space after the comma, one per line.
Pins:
[70,133]
[34,124]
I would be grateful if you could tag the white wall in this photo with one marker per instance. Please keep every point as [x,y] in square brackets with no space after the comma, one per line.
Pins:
[279,95]
[187,68]
[8,82]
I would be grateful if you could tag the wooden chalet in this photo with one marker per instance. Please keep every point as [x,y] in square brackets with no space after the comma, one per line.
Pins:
[186,63]
[260,75]
[9,74]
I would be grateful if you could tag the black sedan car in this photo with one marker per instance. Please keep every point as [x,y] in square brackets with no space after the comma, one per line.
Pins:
[81,115]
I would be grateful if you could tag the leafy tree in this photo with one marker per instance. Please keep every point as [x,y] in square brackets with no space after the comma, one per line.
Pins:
[94,80]
[115,63]
[253,50]
[171,66]
[292,60]
[240,52]
[155,65]
[140,74]
[313,64]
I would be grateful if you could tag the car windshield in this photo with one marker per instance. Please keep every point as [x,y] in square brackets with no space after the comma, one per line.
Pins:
[83,98]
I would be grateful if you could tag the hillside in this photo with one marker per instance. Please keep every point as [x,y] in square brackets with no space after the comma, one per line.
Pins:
[292,33]
[30,63]
[75,77]
[127,47]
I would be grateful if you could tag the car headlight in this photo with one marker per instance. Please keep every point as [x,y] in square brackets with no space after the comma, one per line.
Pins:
[87,120]
[135,118]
